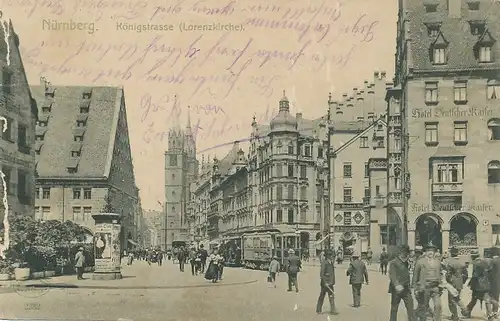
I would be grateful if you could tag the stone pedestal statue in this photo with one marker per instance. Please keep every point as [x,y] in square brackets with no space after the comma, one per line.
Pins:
[107,251]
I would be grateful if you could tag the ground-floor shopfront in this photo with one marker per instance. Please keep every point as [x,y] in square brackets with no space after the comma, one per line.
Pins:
[467,231]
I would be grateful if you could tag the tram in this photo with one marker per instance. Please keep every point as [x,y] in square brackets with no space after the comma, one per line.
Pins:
[259,247]
[231,249]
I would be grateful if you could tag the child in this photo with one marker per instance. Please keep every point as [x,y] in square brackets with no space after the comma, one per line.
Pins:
[274,268]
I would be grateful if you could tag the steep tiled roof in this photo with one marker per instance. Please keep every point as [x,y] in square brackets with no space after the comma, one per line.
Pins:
[457,33]
[55,156]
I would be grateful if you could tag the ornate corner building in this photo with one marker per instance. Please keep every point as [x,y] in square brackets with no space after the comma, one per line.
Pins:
[18,115]
[447,91]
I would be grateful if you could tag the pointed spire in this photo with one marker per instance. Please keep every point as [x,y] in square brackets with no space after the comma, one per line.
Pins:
[254,120]
[189,131]
[284,104]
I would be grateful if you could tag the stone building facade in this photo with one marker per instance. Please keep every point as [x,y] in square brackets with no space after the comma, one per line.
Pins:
[83,157]
[18,116]
[447,93]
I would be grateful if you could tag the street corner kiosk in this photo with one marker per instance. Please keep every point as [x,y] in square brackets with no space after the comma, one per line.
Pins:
[107,248]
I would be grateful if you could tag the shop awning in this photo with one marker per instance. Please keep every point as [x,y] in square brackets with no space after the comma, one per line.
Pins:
[133,242]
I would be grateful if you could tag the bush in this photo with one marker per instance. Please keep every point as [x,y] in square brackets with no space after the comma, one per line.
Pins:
[6,266]
[41,258]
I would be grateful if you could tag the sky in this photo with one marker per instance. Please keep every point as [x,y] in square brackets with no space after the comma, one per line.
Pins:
[221,62]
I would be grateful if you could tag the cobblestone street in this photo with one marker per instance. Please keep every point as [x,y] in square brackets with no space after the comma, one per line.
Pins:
[165,293]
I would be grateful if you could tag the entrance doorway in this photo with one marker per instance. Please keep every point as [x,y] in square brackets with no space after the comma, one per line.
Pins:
[428,230]
[463,230]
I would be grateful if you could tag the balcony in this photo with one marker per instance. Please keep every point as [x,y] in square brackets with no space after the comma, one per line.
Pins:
[378,163]
[447,189]
[395,198]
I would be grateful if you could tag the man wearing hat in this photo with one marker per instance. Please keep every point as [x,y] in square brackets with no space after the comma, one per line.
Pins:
[327,282]
[426,282]
[357,273]
[79,263]
[399,286]
[293,268]
[480,284]
[454,277]
[495,278]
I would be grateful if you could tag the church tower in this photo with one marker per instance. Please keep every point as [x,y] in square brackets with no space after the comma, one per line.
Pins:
[181,169]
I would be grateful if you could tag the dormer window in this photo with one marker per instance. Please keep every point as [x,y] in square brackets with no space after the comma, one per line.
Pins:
[46,107]
[87,93]
[78,138]
[42,123]
[484,47]
[477,27]
[431,7]
[438,50]
[473,5]
[49,92]
[81,120]
[84,106]
[433,29]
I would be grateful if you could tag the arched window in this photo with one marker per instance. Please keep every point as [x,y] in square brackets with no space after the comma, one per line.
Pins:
[290,149]
[494,172]
[173,176]
[494,129]
[173,208]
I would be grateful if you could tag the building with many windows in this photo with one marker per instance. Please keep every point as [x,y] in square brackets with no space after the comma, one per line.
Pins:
[357,139]
[18,115]
[83,157]
[447,94]
[181,170]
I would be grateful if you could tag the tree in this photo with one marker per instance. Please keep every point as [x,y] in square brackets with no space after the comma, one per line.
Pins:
[108,205]
[53,233]
[22,235]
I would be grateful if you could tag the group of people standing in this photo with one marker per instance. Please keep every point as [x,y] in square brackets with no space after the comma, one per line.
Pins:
[199,259]
[434,273]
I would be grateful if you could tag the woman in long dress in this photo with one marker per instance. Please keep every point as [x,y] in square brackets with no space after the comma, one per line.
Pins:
[213,267]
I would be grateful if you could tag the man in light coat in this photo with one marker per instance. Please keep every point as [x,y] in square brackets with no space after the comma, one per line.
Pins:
[79,263]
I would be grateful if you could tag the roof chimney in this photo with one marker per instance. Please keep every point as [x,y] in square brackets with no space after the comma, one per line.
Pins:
[298,116]
[375,74]
[382,74]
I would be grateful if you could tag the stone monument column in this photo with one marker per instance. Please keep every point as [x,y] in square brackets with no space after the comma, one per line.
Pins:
[107,249]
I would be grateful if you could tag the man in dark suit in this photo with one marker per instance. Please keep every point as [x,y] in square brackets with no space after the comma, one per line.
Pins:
[495,278]
[480,285]
[293,268]
[181,256]
[327,276]
[384,260]
[399,286]
[454,276]
[357,273]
